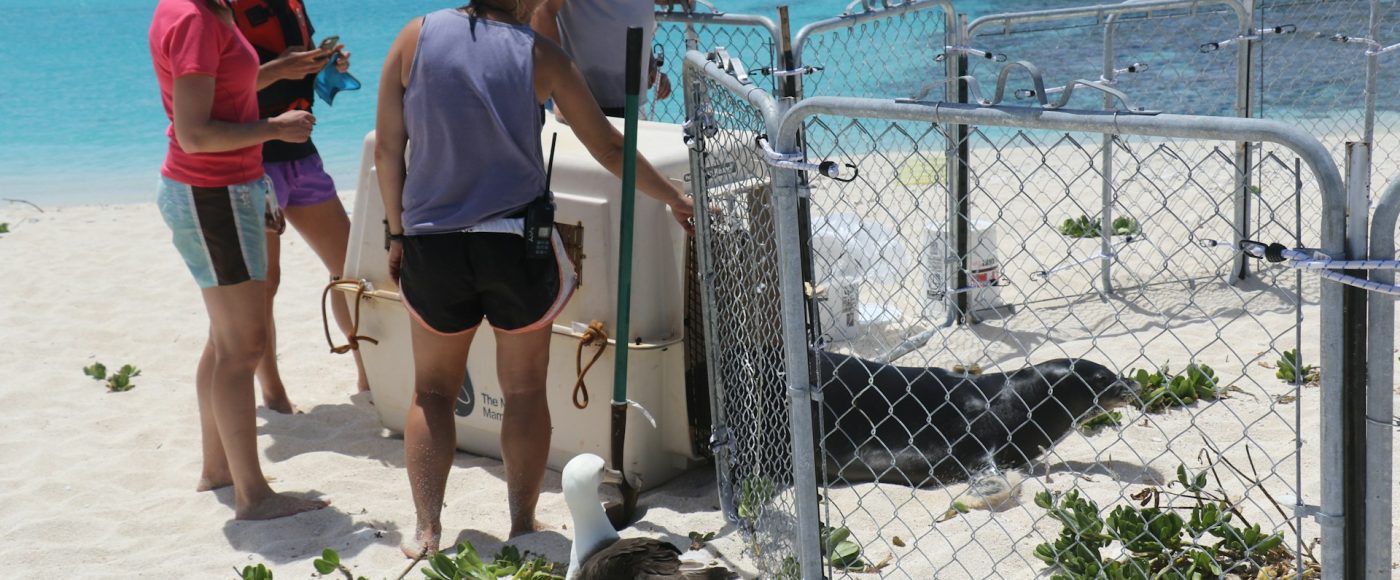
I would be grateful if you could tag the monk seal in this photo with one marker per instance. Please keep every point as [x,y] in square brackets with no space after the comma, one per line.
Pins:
[925,426]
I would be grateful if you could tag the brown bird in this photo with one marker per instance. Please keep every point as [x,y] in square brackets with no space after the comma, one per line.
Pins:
[598,553]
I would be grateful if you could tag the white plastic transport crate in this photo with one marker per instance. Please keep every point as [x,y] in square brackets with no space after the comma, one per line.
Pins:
[588,199]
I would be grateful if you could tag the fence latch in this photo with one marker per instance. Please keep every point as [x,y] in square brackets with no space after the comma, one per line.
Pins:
[795,161]
[780,73]
[720,439]
[1258,34]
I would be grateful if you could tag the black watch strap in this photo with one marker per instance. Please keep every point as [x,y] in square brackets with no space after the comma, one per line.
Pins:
[394,237]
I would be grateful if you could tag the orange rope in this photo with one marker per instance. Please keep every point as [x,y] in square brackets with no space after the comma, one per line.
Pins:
[595,335]
[354,337]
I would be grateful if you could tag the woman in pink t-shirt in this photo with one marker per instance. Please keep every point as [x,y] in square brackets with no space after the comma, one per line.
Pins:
[214,197]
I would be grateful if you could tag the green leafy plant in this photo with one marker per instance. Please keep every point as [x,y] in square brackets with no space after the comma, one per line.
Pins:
[1162,390]
[4,227]
[1290,371]
[754,493]
[329,563]
[1083,227]
[118,382]
[259,572]
[698,540]
[508,562]
[1108,419]
[839,549]
[1212,541]
[96,370]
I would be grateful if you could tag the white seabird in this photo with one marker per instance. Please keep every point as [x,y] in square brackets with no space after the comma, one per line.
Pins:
[598,553]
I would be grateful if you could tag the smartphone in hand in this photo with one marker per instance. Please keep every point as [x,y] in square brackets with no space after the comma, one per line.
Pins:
[330,42]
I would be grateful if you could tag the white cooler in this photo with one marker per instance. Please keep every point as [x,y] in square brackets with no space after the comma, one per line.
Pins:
[587,196]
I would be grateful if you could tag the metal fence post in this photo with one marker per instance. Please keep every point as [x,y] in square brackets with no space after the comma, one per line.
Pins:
[1380,396]
[786,191]
[1354,391]
[959,162]
[1244,153]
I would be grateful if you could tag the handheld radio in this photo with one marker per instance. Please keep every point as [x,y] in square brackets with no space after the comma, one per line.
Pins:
[539,216]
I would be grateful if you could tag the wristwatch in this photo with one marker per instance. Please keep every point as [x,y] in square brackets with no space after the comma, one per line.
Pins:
[394,237]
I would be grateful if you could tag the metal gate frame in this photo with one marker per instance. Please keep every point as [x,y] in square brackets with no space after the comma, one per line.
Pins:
[785,121]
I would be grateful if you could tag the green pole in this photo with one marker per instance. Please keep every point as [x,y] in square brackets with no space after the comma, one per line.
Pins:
[624,283]
[629,205]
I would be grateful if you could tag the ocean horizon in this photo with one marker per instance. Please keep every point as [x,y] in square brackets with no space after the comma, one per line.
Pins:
[81,119]
[80,114]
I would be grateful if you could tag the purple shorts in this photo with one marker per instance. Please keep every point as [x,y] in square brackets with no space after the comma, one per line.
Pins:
[300,183]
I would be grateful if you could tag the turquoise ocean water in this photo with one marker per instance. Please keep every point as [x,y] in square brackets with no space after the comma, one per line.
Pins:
[81,119]
[80,114]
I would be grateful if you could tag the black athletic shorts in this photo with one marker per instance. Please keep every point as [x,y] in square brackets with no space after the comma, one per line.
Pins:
[449,282]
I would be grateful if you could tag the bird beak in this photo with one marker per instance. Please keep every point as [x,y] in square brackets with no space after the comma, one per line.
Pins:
[612,476]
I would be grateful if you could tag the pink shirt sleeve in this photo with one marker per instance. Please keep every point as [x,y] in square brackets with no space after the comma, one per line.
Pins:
[193,45]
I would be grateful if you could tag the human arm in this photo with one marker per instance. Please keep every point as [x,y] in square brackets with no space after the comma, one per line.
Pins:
[192,99]
[391,137]
[292,64]
[558,78]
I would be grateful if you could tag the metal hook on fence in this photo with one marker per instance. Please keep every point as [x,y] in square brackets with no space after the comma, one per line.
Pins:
[730,64]
[1257,34]
[780,73]
[992,56]
[696,130]
[1316,261]
[830,169]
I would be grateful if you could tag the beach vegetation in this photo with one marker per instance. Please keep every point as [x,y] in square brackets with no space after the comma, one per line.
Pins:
[1084,227]
[329,563]
[1106,419]
[698,540]
[754,493]
[4,227]
[1292,371]
[259,572]
[1161,390]
[96,370]
[1159,538]
[118,382]
[507,563]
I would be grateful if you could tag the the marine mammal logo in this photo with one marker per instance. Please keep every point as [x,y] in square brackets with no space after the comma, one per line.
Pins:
[466,398]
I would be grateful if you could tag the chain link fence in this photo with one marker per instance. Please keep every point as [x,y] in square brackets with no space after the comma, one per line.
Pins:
[883,254]
[751,39]
[977,243]
[930,467]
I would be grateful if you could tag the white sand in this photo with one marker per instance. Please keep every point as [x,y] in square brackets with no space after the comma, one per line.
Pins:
[100,485]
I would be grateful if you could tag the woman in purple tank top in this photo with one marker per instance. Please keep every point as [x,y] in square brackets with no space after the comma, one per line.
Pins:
[467,85]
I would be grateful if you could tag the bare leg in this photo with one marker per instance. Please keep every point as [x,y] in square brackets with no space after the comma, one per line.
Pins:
[274,393]
[430,435]
[326,229]
[238,324]
[215,473]
[522,361]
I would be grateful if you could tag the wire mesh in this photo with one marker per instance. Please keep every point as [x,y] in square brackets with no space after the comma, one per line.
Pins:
[1156,54]
[883,54]
[753,444]
[882,265]
[754,45]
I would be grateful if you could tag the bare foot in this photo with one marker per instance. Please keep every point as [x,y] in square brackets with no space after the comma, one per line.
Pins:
[281,404]
[423,543]
[278,505]
[210,483]
[520,531]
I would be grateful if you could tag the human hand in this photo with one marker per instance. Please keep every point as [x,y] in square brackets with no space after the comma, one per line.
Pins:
[683,211]
[343,65]
[295,63]
[395,259]
[292,126]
